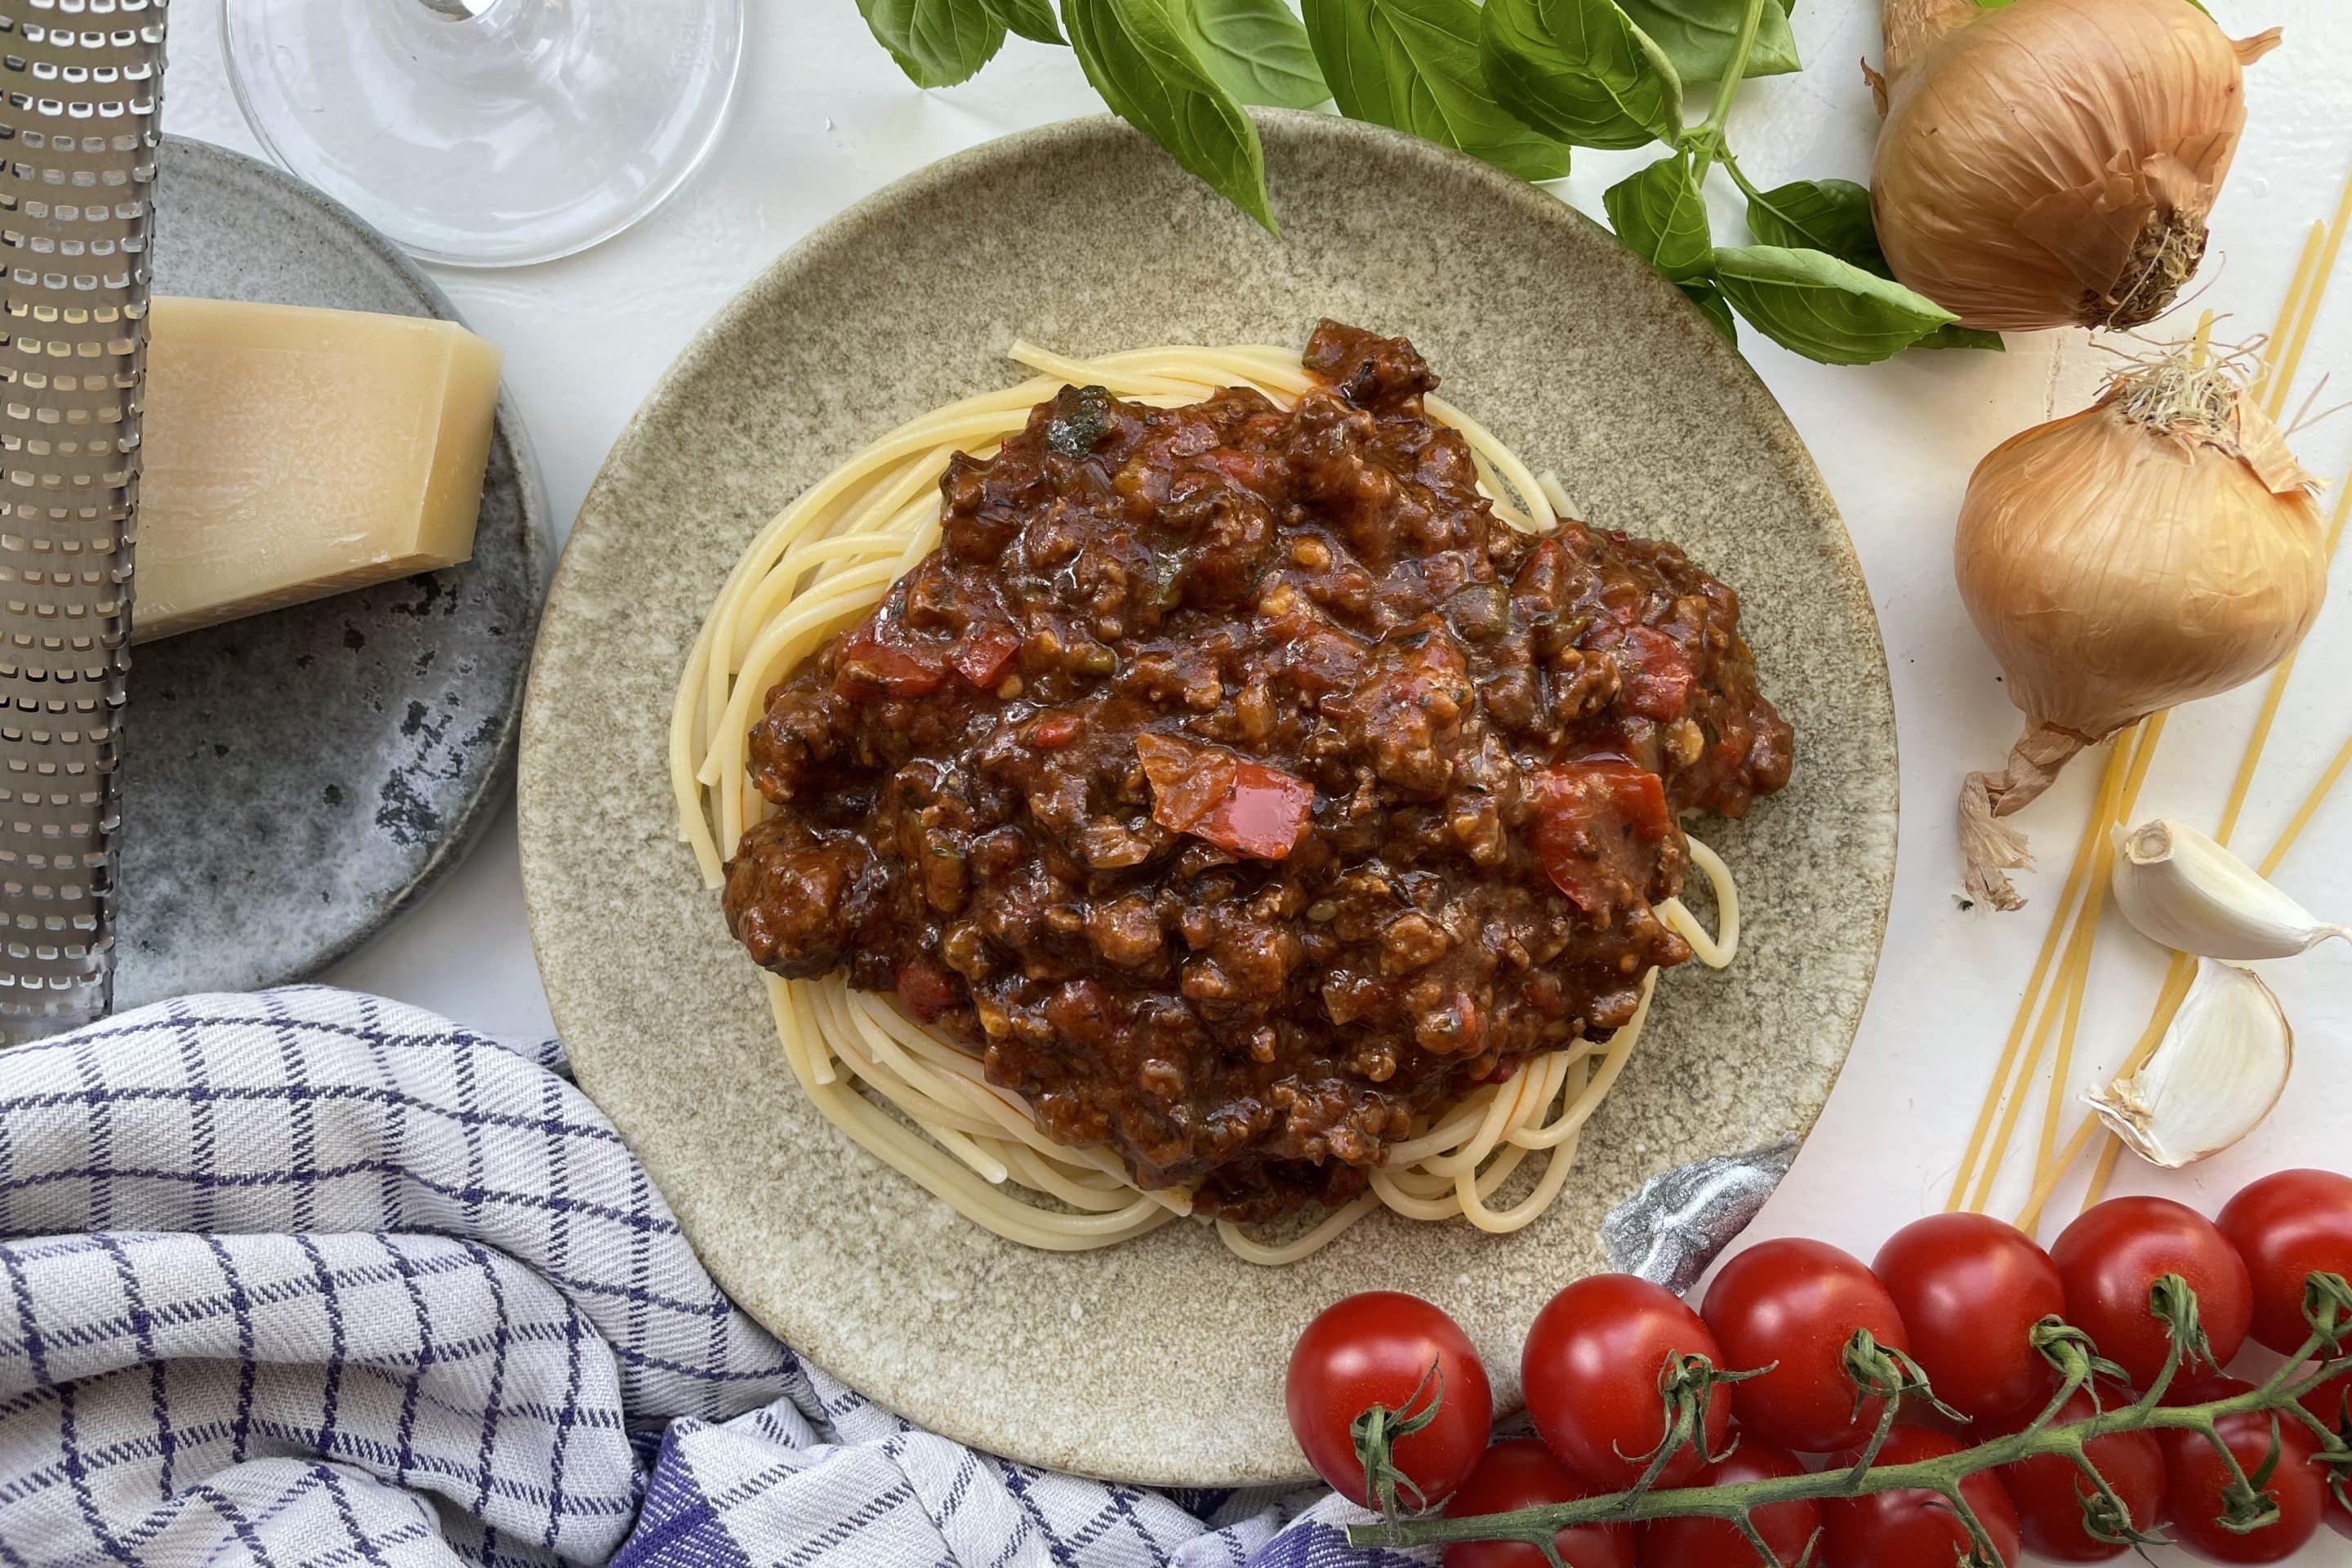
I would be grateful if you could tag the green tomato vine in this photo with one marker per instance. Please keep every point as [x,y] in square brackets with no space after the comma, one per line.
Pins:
[1879,1374]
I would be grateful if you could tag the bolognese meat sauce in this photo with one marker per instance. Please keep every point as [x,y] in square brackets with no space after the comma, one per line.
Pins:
[1239,788]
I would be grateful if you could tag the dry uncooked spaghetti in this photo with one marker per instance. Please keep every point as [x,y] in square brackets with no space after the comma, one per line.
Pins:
[906,1093]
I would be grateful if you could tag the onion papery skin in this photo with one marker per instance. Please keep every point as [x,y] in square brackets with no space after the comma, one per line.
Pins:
[2052,163]
[2116,569]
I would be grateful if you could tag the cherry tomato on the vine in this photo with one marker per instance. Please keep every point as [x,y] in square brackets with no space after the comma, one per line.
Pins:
[2112,1257]
[1791,1305]
[1523,1473]
[1380,1348]
[1786,1527]
[1915,1529]
[2287,1226]
[2332,1403]
[2196,1481]
[2049,1491]
[1593,1371]
[1970,1289]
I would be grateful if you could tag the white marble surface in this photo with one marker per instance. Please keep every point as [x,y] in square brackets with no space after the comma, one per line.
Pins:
[824,119]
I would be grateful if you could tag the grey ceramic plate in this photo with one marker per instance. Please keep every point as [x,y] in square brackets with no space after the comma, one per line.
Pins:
[1162,1360]
[296,779]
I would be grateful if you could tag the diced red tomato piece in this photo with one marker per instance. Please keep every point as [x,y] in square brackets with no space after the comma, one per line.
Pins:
[1055,731]
[1233,802]
[876,654]
[985,648]
[1656,674]
[927,988]
[1598,822]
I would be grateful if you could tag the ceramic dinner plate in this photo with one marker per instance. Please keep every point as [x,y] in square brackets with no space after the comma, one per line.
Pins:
[1162,1360]
[294,779]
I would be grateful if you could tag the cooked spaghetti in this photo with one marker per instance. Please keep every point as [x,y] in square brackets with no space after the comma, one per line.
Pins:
[1159,788]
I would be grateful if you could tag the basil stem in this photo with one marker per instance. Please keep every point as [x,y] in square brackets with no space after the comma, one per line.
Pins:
[1710,132]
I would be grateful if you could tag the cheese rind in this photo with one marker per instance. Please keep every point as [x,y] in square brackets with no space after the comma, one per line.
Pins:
[291,453]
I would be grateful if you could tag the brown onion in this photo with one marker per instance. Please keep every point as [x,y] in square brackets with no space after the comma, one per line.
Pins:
[2160,546]
[2051,164]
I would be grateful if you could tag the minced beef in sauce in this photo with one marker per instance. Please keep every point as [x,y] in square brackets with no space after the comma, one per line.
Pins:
[1239,788]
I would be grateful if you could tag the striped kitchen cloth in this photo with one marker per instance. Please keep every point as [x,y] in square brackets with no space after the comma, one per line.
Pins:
[308,1280]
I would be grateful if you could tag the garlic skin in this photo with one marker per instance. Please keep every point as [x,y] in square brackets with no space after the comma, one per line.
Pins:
[2185,891]
[2219,1070]
[2051,162]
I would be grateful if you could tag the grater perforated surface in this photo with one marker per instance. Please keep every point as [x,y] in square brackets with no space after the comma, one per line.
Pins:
[81,91]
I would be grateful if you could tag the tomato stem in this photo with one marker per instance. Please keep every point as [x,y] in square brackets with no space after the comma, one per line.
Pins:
[2324,1356]
[1377,1431]
[1686,1390]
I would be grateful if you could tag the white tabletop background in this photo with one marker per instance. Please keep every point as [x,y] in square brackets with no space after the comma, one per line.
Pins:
[823,119]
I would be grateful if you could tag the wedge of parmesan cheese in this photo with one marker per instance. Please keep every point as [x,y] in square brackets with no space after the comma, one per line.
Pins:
[292,453]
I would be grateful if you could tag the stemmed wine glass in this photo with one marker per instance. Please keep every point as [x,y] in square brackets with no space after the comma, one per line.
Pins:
[488,132]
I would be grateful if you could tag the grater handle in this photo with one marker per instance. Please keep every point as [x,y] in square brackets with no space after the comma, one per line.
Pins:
[81,97]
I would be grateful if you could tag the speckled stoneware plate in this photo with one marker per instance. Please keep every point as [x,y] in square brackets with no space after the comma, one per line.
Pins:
[294,779]
[1162,1360]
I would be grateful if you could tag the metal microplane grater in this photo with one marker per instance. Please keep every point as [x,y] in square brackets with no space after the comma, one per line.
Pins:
[80,94]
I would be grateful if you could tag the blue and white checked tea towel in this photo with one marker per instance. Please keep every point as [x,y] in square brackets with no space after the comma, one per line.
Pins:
[308,1279]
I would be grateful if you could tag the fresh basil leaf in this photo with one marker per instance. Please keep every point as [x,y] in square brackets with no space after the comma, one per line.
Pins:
[1820,214]
[1413,66]
[1138,60]
[1822,307]
[1955,336]
[1833,216]
[1579,70]
[1030,18]
[1698,35]
[1714,307]
[938,43]
[1660,213]
[1255,48]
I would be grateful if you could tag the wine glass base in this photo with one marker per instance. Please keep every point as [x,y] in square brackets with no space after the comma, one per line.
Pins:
[529,130]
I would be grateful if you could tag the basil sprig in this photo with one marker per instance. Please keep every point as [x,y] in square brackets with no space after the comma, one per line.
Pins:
[1255,48]
[1661,214]
[1833,217]
[1519,83]
[1413,66]
[1140,62]
[1580,71]
[1698,35]
[1030,18]
[938,43]
[1823,307]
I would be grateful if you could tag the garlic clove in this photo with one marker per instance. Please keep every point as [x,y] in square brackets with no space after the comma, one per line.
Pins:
[2187,892]
[2219,1070]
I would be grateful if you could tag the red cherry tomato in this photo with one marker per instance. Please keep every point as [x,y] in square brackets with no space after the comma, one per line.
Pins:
[2049,1491]
[2332,1403]
[2195,1478]
[1970,1289]
[1591,1369]
[2287,1226]
[1786,1527]
[1792,1305]
[1523,1473]
[2115,1254]
[1377,1349]
[1915,1529]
